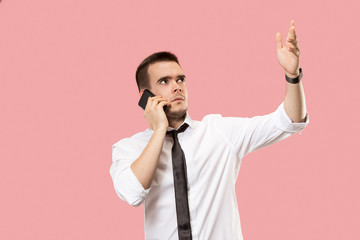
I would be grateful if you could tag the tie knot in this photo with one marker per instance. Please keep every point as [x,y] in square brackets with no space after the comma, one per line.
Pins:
[181,129]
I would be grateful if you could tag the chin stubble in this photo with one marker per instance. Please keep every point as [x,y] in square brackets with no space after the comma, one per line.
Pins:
[178,115]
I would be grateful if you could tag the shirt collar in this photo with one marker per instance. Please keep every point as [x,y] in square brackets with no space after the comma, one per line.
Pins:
[187,120]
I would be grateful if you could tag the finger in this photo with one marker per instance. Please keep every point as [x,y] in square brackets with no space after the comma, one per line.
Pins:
[157,101]
[292,23]
[279,44]
[295,51]
[151,99]
[291,44]
[155,97]
[151,102]
[162,104]
[291,33]
[292,41]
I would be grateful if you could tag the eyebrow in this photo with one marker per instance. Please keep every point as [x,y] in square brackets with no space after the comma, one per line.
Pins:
[168,77]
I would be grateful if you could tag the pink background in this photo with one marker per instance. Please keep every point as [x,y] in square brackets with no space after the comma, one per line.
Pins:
[67,93]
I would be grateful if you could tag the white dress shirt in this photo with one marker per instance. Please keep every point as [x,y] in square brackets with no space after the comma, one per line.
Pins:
[214,148]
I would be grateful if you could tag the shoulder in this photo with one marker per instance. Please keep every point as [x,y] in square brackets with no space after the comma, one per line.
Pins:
[137,140]
[218,119]
[211,118]
[206,121]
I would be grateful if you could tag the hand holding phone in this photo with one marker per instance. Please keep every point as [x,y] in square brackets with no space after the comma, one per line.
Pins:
[144,98]
[155,117]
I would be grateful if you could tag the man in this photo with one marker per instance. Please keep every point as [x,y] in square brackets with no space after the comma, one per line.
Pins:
[144,169]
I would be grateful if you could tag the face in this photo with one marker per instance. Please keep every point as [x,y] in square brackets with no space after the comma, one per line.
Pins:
[167,80]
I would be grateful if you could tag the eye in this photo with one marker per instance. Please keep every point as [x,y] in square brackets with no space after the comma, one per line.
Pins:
[182,79]
[163,81]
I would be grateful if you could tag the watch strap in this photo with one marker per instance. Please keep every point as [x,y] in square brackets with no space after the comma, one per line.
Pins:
[294,80]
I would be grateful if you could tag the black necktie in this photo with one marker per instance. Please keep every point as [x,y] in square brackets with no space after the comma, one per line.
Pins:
[180,186]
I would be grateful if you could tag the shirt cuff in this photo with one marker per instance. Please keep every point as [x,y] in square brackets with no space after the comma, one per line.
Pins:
[283,121]
[132,190]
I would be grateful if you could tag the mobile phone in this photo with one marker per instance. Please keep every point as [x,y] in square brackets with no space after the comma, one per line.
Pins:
[144,98]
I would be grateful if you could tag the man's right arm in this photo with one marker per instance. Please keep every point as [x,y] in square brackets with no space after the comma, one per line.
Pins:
[145,166]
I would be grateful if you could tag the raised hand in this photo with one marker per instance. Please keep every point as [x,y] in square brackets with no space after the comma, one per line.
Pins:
[289,54]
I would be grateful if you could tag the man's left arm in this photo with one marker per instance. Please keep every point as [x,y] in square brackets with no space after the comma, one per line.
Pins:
[289,58]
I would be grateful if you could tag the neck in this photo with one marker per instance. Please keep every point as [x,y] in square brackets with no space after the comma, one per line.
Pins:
[176,122]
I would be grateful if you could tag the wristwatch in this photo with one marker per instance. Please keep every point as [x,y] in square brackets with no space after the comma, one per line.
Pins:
[294,80]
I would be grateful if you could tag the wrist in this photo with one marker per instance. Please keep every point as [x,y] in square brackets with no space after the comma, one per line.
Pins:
[292,75]
[160,130]
[293,78]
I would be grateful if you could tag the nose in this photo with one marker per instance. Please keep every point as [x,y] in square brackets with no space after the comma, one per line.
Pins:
[176,87]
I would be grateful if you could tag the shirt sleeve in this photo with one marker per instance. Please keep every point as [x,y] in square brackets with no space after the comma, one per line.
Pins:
[127,186]
[246,135]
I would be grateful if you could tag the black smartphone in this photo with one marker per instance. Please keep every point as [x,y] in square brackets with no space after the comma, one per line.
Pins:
[144,98]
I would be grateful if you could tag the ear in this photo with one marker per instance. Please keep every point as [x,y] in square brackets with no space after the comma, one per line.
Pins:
[141,92]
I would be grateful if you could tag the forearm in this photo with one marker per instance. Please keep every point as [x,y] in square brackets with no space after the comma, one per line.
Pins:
[294,103]
[144,167]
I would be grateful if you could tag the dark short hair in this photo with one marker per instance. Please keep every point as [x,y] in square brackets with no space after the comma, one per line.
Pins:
[142,76]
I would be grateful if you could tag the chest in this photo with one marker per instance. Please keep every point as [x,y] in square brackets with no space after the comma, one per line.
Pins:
[209,158]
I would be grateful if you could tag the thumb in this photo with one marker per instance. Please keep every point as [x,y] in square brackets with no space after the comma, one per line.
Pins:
[279,44]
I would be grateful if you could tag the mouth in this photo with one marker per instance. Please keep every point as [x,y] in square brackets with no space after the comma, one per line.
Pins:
[178,99]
